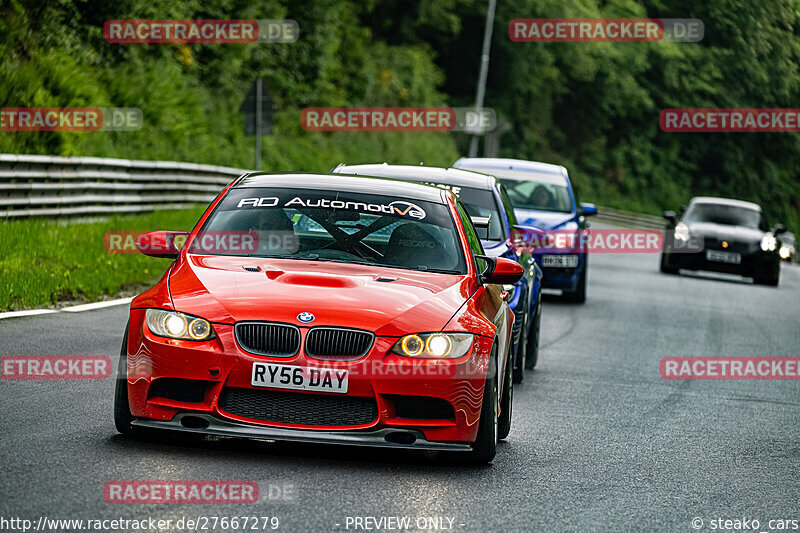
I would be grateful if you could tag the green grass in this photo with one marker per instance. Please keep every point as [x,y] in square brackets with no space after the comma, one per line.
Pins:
[44,262]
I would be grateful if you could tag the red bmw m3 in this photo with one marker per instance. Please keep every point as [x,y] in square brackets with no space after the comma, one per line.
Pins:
[324,308]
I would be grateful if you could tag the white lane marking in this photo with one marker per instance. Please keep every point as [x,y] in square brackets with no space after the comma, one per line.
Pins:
[96,305]
[30,312]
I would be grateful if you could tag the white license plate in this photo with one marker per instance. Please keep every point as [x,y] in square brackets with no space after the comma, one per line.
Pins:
[299,378]
[562,261]
[723,257]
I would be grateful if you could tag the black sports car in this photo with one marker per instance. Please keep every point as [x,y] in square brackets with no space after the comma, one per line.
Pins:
[722,235]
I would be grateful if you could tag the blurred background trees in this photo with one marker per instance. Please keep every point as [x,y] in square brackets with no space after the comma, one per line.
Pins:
[592,107]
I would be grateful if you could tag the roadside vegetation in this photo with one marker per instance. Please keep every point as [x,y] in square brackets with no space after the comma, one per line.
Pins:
[593,107]
[44,262]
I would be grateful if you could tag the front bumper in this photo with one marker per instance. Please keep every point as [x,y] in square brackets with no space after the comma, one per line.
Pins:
[380,378]
[752,263]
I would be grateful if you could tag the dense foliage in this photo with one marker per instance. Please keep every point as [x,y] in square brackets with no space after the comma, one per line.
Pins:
[593,107]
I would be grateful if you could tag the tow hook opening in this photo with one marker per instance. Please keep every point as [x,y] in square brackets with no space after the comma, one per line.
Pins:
[400,437]
[194,422]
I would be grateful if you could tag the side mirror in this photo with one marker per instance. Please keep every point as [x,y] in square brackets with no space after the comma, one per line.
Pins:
[671,217]
[501,270]
[480,222]
[166,244]
[778,229]
[587,210]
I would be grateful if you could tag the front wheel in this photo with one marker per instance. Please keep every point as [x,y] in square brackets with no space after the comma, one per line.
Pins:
[532,345]
[485,446]
[506,404]
[520,357]
[666,268]
[122,409]
[771,280]
[578,296]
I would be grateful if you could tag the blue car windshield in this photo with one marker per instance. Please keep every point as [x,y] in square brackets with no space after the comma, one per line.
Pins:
[538,196]
[533,190]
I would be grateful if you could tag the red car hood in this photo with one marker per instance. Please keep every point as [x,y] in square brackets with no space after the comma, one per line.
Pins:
[220,289]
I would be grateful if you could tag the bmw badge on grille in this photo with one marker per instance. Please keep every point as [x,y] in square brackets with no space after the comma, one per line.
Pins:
[305,317]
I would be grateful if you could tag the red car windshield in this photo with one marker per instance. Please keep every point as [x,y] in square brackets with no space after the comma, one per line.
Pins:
[340,226]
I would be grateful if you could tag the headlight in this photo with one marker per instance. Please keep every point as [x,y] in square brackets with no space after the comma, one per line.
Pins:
[681,232]
[434,345]
[769,242]
[784,252]
[177,325]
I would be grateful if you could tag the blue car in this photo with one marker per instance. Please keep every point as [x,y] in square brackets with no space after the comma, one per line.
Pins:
[488,205]
[543,198]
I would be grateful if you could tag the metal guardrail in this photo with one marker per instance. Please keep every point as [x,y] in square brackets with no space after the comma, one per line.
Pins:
[628,219]
[35,185]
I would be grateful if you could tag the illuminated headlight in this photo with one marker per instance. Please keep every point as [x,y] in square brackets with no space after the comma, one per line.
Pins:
[784,252]
[769,242]
[681,232]
[177,325]
[434,345]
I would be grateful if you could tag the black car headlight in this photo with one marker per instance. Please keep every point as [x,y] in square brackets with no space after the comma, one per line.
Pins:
[681,232]
[433,345]
[175,325]
[769,242]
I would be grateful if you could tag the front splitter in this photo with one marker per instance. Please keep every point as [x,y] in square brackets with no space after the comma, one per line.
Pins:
[210,425]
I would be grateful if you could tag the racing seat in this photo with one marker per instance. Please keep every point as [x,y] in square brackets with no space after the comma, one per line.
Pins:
[275,233]
[412,245]
[274,230]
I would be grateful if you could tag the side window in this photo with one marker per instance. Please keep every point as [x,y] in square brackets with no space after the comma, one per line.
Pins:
[508,206]
[472,237]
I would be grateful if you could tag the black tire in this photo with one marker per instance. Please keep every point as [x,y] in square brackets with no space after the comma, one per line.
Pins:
[520,354]
[506,404]
[485,446]
[666,268]
[771,281]
[532,343]
[578,296]
[122,409]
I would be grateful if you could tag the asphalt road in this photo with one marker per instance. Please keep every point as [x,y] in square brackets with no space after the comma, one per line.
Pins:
[599,441]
